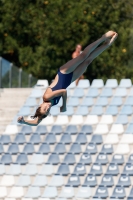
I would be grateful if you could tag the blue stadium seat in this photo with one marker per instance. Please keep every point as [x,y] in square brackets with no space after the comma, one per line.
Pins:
[49,193]
[73,181]
[24,111]
[23,181]
[22,159]
[96,169]
[5,139]
[82,110]
[80,169]
[41,129]
[90,180]
[26,130]
[118,159]
[66,138]
[97,110]
[111,110]
[29,149]
[20,138]
[120,92]
[96,139]
[73,101]
[63,169]
[78,92]
[71,129]
[86,129]
[75,148]
[37,159]
[116,101]
[130,197]
[54,110]
[40,181]
[50,138]
[112,169]
[1,149]
[35,138]
[102,101]
[30,170]
[15,169]
[92,92]
[128,169]
[69,112]
[60,148]
[6,159]
[129,101]
[106,92]
[130,158]
[107,149]
[30,102]
[91,148]
[87,101]
[57,181]
[119,192]
[44,148]
[121,119]
[111,83]
[97,83]
[53,159]
[107,180]
[102,159]
[57,129]
[69,159]
[13,149]
[85,158]
[36,93]
[124,180]
[126,110]
[33,192]
[101,192]
[85,83]
[125,83]
[81,138]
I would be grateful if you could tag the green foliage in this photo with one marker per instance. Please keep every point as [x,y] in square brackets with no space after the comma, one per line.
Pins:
[40,35]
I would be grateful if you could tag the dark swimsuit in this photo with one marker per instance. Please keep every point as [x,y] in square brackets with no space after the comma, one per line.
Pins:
[64,80]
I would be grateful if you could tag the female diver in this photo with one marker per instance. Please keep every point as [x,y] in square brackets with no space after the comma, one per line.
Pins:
[68,73]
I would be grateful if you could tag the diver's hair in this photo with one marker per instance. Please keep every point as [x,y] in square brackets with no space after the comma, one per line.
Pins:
[38,114]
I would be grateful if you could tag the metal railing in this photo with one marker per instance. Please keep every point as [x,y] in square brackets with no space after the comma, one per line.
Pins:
[14,77]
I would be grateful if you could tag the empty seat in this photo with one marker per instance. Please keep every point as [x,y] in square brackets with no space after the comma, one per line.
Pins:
[111,139]
[42,83]
[47,121]
[22,159]
[87,101]
[111,110]
[16,192]
[54,159]
[44,148]
[118,159]
[97,110]
[86,129]
[85,158]
[82,110]
[7,180]
[63,169]
[66,138]
[120,92]
[85,83]
[106,92]
[106,119]
[91,148]
[75,148]
[60,101]
[33,192]
[101,192]
[80,169]
[54,110]
[126,110]
[131,92]
[60,148]
[73,181]
[97,83]
[102,101]
[24,111]
[30,102]
[101,129]
[102,159]
[92,92]
[122,149]
[119,192]
[50,138]
[13,149]
[29,148]
[122,119]
[72,85]
[67,192]
[57,129]
[84,192]
[69,111]
[57,181]
[2,169]
[117,129]
[62,120]
[107,180]
[127,139]
[49,192]
[46,169]
[130,197]
[125,83]
[124,180]
[6,159]
[73,101]
[36,93]
[129,129]
[76,119]
[30,170]
[40,181]
[35,138]
[96,169]
[69,159]
[3,192]
[130,158]
[81,138]
[96,139]
[91,119]
[26,130]
[15,169]
[111,83]
[5,139]
[107,149]
[78,92]
[37,159]
[128,169]
[112,169]
[11,129]
[20,138]
[129,101]
[41,129]
[23,181]
[90,180]
[71,129]
[116,101]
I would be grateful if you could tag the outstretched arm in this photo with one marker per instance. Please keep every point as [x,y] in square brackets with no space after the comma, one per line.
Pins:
[33,122]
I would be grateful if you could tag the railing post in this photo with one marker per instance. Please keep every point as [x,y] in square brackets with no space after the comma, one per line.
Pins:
[29,82]
[0,72]
[10,76]
[20,78]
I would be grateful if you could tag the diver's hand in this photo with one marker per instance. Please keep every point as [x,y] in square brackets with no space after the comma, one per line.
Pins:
[63,109]
[21,120]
